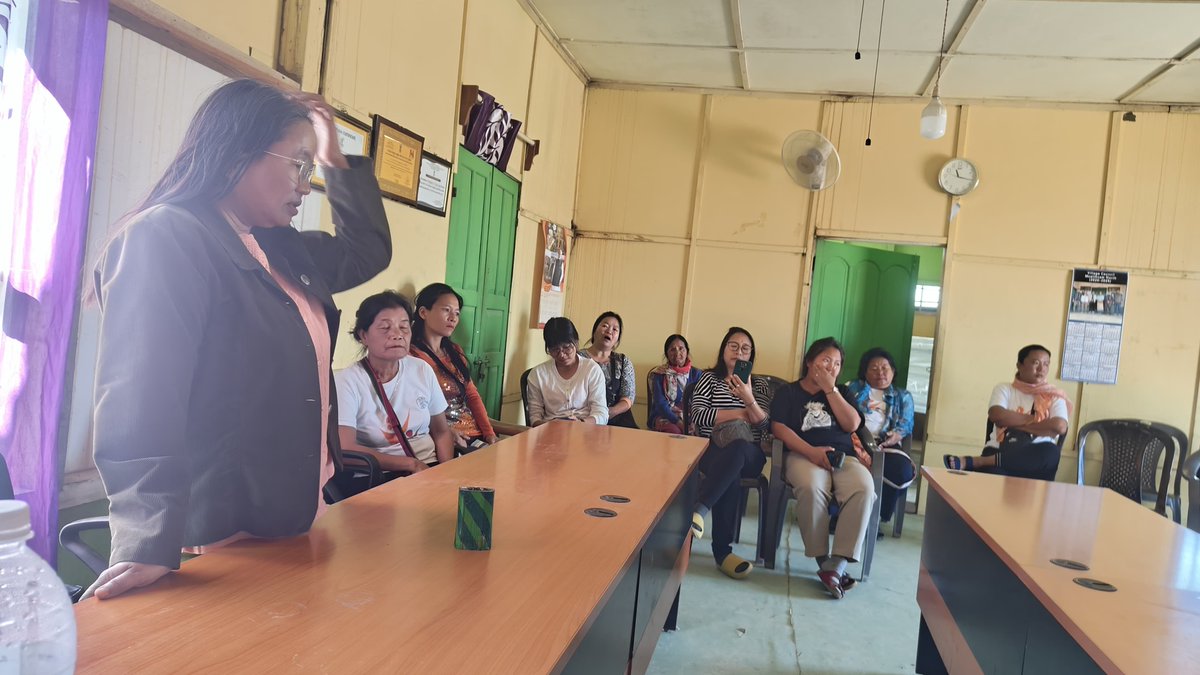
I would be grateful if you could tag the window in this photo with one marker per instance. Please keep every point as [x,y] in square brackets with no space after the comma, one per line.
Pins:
[928,297]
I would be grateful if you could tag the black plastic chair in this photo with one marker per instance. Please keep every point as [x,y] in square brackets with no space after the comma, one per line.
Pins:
[1174,496]
[1131,451]
[525,395]
[1191,473]
[902,495]
[6,488]
[781,492]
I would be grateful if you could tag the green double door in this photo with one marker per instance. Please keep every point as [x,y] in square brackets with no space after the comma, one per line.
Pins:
[479,261]
[865,298]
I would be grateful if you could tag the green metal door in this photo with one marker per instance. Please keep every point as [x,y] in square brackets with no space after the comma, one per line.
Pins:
[864,297]
[479,258]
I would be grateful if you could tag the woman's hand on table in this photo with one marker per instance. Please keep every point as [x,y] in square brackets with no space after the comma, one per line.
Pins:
[124,576]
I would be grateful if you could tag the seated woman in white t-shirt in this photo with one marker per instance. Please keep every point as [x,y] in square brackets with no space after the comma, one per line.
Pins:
[568,386]
[1028,417]
[417,435]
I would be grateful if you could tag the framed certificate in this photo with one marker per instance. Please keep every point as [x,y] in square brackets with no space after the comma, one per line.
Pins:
[397,154]
[433,188]
[354,138]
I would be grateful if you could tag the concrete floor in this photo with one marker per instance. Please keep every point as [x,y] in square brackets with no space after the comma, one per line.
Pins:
[783,621]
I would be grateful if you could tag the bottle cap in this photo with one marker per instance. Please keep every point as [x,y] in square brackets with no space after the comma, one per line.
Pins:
[14,521]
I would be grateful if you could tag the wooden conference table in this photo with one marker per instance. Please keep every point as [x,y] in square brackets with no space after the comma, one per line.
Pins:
[377,585]
[992,602]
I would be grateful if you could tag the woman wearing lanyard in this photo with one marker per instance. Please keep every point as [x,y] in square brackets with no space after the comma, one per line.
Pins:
[390,405]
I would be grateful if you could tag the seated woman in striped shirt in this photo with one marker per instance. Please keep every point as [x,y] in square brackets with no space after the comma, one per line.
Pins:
[737,411]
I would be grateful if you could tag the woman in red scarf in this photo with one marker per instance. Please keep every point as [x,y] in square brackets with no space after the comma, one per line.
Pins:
[667,383]
[1027,416]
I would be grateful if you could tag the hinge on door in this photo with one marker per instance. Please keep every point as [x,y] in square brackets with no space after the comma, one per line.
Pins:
[453,192]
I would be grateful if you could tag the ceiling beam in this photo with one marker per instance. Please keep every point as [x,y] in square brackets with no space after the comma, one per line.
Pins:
[957,35]
[1188,51]
[552,36]
[739,43]
[881,98]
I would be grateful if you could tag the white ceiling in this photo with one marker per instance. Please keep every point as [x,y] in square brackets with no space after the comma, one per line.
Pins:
[1102,51]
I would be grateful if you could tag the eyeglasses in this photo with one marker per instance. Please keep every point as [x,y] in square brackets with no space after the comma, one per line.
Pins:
[306,166]
[736,348]
[565,348]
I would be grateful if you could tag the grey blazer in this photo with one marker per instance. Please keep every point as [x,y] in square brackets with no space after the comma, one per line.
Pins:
[207,417]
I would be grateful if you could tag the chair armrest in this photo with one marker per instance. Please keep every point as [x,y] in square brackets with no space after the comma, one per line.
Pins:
[507,428]
[1191,467]
[778,458]
[71,540]
[361,461]
[876,453]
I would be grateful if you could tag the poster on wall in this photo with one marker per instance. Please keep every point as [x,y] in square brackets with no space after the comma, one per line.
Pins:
[1095,319]
[551,290]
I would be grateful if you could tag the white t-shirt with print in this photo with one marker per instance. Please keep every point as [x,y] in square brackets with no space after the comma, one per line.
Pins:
[415,396]
[1006,396]
[876,417]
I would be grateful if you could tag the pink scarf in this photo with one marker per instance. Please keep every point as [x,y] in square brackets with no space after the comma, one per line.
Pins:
[1043,395]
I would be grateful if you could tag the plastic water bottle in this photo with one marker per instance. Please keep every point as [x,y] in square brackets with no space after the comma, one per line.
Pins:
[37,622]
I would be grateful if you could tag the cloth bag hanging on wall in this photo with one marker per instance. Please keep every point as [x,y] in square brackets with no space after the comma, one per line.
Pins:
[491,131]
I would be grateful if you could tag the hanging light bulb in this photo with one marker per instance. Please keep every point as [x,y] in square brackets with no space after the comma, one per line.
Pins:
[933,117]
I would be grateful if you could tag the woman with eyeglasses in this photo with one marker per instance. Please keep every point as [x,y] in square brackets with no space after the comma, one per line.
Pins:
[568,386]
[438,310]
[215,418]
[732,414]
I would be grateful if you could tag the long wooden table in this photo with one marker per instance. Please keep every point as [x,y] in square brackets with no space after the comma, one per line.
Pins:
[377,585]
[993,602]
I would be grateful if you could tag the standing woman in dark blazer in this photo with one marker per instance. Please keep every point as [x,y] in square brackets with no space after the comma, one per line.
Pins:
[215,418]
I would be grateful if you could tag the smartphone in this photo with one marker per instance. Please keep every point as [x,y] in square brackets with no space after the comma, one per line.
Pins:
[742,369]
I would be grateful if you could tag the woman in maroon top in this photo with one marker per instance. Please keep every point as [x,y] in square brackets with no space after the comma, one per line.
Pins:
[438,309]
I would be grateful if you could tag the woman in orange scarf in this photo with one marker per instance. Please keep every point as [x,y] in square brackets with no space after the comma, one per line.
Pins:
[1027,416]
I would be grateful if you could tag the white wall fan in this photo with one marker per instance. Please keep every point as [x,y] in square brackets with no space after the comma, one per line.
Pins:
[811,160]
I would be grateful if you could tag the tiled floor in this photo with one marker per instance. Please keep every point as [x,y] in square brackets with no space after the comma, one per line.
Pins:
[782,621]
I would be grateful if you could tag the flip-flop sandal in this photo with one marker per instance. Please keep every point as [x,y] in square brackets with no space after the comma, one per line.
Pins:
[736,567]
[956,463]
[832,583]
[847,582]
[697,526]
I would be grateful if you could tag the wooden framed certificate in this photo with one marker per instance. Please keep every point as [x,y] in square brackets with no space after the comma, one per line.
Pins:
[354,138]
[433,188]
[397,154]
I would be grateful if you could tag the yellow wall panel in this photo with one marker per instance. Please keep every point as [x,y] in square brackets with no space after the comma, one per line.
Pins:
[555,119]
[411,81]
[757,290]
[418,258]
[889,188]
[1042,176]
[638,161]
[601,279]
[251,28]
[924,324]
[748,196]
[498,57]
[1156,206]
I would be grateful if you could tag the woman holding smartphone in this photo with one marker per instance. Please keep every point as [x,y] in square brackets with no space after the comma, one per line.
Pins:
[729,407]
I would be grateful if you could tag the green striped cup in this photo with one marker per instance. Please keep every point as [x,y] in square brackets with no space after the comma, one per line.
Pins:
[473,531]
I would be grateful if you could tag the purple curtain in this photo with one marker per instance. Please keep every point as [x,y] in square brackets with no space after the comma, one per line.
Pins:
[49,146]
